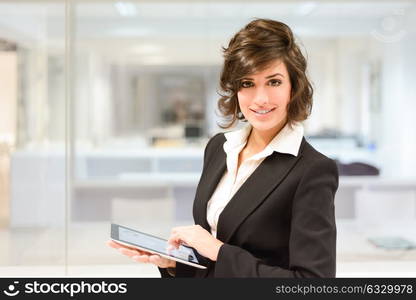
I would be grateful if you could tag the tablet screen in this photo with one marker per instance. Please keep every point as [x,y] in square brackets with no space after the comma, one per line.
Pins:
[155,244]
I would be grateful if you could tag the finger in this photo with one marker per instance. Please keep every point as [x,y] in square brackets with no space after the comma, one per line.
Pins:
[174,242]
[129,252]
[156,259]
[113,244]
[116,245]
[184,243]
[160,261]
[141,258]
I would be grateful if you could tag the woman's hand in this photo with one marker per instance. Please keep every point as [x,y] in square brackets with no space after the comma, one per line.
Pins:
[196,237]
[142,256]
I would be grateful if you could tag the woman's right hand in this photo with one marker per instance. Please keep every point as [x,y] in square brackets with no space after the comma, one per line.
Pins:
[142,256]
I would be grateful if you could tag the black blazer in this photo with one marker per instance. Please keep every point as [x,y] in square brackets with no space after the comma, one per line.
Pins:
[280,223]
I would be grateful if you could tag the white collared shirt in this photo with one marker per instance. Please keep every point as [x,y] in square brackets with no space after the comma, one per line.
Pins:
[288,140]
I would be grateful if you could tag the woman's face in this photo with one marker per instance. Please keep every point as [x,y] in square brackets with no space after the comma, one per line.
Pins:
[263,98]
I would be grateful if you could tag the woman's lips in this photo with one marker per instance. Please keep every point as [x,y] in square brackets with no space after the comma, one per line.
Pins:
[263,114]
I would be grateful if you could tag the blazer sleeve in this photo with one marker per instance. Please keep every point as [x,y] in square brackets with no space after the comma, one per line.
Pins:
[183,270]
[312,242]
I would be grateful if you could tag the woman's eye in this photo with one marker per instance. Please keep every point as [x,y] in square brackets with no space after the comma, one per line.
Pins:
[275,82]
[246,84]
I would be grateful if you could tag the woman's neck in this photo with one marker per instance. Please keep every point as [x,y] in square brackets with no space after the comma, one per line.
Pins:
[258,140]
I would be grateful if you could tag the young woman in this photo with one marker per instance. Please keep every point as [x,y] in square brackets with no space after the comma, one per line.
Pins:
[264,205]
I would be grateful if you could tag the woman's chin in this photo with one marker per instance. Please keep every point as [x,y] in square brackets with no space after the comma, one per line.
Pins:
[262,125]
[265,126]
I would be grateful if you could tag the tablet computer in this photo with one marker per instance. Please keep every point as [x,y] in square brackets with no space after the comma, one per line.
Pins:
[150,243]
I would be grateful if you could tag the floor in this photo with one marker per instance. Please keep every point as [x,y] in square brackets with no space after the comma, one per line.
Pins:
[41,252]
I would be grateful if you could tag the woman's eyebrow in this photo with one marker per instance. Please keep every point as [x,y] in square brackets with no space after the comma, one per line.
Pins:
[270,76]
[267,77]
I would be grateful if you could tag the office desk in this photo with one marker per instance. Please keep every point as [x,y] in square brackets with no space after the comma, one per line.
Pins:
[38,186]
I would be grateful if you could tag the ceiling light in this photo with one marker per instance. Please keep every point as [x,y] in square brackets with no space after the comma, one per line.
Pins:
[126,9]
[306,8]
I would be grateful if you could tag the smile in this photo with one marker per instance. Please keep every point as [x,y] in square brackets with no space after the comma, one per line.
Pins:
[262,112]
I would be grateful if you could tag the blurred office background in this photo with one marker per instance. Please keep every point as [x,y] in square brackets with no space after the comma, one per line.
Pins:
[106,107]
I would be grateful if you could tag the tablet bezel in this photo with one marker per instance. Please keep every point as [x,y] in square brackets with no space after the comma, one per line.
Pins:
[115,238]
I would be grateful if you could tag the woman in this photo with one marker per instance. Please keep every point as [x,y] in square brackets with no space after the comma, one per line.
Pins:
[264,205]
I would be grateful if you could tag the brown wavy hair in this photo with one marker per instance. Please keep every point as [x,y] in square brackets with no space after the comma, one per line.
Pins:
[253,49]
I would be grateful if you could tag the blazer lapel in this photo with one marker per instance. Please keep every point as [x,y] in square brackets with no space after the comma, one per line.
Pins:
[207,185]
[253,192]
[249,196]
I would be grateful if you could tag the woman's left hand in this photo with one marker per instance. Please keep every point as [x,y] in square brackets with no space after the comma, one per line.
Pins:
[198,238]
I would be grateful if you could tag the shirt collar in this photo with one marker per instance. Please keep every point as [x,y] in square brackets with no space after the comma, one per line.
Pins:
[237,137]
[288,140]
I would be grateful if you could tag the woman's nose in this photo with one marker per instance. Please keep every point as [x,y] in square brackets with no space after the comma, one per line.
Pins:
[261,97]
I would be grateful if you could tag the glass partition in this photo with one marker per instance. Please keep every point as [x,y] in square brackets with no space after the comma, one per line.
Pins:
[32,138]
